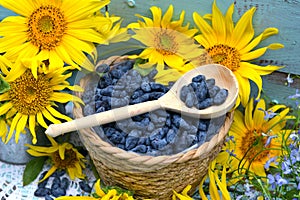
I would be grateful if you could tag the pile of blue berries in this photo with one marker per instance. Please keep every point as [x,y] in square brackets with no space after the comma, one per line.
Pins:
[57,185]
[202,93]
[155,133]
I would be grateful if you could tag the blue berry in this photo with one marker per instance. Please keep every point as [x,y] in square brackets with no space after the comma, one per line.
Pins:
[42,192]
[205,103]
[210,83]
[183,92]
[202,125]
[201,91]
[220,97]
[131,142]
[201,136]
[117,74]
[116,138]
[140,149]
[57,192]
[65,183]
[103,68]
[107,91]
[190,100]
[158,144]
[213,91]
[56,181]
[146,87]
[198,78]
[48,197]
[85,186]
[137,94]
[170,135]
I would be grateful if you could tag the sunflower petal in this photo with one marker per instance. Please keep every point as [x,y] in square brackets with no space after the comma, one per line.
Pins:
[244,88]
[243,32]
[259,115]
[218,24]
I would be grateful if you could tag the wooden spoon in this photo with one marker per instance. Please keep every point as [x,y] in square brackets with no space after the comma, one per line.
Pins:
[170,101]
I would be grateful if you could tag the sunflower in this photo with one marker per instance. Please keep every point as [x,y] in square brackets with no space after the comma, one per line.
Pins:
[256,138]
[30,100]
[100,194]
[232,45]
[60,31]
[167,41]
[63,156]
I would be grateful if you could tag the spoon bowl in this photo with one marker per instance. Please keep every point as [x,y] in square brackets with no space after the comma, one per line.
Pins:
[224,78]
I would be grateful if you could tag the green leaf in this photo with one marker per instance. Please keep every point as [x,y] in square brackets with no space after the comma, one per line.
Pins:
[32,169]
[143,71]
[4,86]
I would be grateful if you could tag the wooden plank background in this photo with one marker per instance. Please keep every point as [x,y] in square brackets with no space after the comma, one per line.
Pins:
[282,14]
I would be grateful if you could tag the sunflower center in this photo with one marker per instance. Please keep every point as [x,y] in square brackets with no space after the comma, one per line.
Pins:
[253,147]
[46,27]
[165,43]
[29,95]
[225,55]
[69,161]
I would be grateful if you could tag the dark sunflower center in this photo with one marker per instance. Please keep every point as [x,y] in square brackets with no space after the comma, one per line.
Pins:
[69,161]
[29,95]
[254,147]
[165,43]
[46,27]
[225,55]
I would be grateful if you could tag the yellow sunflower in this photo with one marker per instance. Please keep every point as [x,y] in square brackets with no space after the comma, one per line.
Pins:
[257,137]
[167,41]
[63,156]
[100,194]
[31,100]
[59,30]
[232,45]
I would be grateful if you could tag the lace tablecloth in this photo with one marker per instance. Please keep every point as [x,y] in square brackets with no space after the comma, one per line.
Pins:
[11,186]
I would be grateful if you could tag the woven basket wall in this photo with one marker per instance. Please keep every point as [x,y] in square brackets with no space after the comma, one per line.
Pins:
[149,176]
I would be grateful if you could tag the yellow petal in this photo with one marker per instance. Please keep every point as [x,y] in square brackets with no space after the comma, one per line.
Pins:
[167,16]
[248,115]
[243,32]
[19,8]
[218,24]
[5,108]
[254,54]
[251,74]
[261,70]
[40,120]
[20,126]
[229,22]
[61,151]
[32,124]
[206,30]
[244,88]
[58,114]
[48,116]
[13,126]
[251,45]
[258,115]
[156,13]
[49,173]
[269,32]
[201,192]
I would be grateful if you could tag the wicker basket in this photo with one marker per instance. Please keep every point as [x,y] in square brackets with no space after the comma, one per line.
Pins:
[148,176]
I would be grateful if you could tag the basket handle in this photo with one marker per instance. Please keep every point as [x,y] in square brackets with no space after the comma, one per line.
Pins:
[103,118]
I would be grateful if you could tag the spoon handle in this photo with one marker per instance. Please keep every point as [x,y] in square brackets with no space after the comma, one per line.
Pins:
[103,118]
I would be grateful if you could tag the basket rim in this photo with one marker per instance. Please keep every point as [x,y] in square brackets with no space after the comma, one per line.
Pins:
[148,160]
